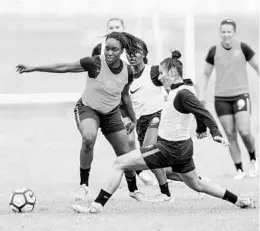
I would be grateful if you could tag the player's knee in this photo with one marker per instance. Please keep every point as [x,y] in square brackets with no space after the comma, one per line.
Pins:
[196,185]
[244,131]
[154,122]
[231,135]
[118,164]
[88,142]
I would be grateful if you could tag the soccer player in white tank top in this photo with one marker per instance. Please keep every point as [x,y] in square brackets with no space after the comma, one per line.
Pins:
[174,147]
[108,82]
[117,25]
[232,101]
[147,102]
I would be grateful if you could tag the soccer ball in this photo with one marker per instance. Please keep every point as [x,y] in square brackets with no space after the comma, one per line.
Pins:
[22,200]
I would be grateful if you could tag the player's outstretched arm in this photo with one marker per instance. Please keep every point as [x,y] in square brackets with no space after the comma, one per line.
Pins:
[54,68]
[186,102]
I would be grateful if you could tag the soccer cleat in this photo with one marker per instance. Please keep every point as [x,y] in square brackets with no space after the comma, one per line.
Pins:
[162,198]
[244,203]
[80,208]
[138,196]
[95,208]
[81,192]
[239,175]
[253,168]
[146,179]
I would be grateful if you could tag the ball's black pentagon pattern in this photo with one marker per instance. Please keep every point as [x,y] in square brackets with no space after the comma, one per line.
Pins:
[28,197]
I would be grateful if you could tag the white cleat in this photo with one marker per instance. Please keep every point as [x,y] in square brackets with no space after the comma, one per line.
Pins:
[80,208]
[138,196]
[162,198]
[245,203]
[94,208]
[239,175]
[253,168]
[81,192]
[146,178]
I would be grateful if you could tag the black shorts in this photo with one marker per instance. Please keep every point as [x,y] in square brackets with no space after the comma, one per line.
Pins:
[109,123]
[232,105]
[143,123]
[175,154]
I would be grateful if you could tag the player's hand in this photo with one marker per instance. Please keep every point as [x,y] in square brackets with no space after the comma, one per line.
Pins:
[221,140]
[201,135]
[130,127]
[22,68]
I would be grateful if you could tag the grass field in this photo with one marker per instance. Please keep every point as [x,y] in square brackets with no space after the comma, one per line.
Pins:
[40,150]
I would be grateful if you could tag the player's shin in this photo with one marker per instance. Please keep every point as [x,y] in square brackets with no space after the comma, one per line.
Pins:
[114,181]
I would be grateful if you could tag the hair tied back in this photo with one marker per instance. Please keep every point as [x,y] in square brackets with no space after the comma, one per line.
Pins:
[176,54]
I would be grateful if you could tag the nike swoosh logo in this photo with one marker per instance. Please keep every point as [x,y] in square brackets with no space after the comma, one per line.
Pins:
[132,92]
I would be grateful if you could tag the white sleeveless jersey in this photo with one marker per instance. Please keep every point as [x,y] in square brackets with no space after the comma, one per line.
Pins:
[175,126]
[146,97]
[122,57]
[103,93]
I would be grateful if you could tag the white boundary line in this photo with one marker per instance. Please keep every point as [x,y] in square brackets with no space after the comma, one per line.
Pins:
[39,98]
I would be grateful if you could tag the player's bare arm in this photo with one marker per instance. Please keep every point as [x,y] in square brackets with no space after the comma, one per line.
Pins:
[126,100]
[54,68]
[254,63]
[208,68]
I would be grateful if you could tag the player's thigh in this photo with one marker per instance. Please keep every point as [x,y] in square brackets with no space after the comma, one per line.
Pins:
[114,130]
[154,157]
[152,131]
[131,161]
[243,122]
[119,142]
[242,109]
[89,129]
[87,121]
[147,128]
[223,107]
[225,112]
[183,166]
[228,124]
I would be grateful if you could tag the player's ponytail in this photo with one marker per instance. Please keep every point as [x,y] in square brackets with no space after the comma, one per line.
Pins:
[173,62]
[142,46]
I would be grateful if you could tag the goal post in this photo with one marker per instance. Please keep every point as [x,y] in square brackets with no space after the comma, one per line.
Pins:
[189,42]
